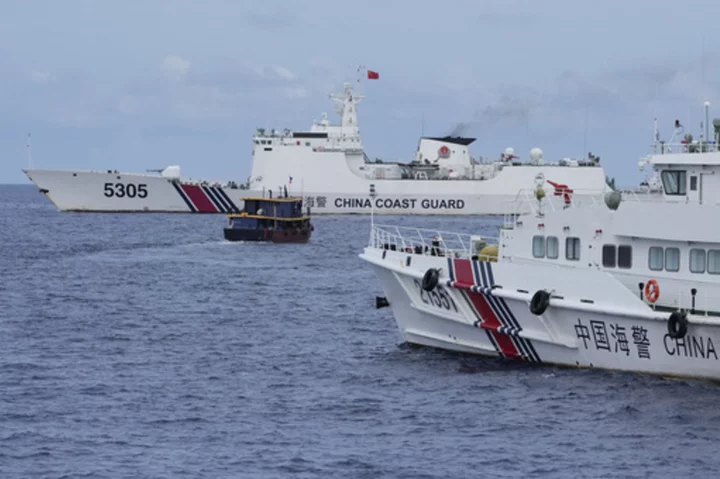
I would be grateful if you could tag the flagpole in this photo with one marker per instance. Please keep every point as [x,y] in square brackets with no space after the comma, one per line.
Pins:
[29,155]
[372,205]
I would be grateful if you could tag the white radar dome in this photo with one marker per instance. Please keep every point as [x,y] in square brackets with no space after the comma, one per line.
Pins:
[536,155]
[171,172]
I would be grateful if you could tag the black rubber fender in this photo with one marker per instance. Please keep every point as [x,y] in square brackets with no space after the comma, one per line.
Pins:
[677,325]
[539,302]
[430,279]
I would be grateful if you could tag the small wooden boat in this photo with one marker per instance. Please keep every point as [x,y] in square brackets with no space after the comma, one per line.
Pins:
[277,220]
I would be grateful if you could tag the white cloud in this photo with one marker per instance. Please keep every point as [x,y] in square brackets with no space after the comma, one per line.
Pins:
[40,78]
[175,66]
[283,72]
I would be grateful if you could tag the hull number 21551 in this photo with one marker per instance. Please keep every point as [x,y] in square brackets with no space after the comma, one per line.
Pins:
[122,190]
[438,297]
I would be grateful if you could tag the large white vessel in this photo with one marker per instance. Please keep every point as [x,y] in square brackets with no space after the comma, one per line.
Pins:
[328,166]
[624,282]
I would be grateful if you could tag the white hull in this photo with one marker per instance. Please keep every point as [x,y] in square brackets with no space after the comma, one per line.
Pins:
[615,331]
[331,184]
[96,191]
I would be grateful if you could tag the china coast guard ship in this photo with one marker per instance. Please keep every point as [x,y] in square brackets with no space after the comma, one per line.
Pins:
[328,166]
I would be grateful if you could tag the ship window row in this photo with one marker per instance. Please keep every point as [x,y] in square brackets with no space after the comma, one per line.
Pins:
[664,258]
[701,261]
[549,247]
[617,256]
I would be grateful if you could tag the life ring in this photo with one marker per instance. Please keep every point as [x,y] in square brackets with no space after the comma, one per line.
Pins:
[652,291]
[677,325]
[430,280]
[539,302]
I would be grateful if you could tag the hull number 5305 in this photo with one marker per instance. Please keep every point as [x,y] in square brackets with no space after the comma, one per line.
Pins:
[122,190]
[438,297]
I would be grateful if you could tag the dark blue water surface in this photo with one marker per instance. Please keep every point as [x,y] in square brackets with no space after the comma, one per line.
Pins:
[143,345]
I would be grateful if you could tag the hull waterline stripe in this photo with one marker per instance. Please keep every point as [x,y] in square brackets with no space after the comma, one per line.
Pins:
[208,192]
[234,208]
[199,198]
[184,197]
[216,193]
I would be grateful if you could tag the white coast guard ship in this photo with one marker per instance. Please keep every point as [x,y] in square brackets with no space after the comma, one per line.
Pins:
[621,282]
[328,166]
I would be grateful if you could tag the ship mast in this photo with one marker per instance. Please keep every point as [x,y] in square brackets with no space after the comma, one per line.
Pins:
[346,109]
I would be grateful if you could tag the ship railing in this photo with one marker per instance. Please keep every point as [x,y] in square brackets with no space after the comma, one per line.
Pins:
[699,298]
[662,148]
[526,202]
[703,303]
[427,241]
[642,196]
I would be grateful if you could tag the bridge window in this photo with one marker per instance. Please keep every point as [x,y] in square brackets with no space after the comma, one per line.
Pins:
[625,256]
[672,259]
[713,264]
[620,256]
[673,182]
[655,258]
[572,248]
[608,255]
[697,260]
[539,246]
[552,247]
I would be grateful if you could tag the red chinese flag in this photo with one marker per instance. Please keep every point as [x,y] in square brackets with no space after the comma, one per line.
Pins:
[373,75]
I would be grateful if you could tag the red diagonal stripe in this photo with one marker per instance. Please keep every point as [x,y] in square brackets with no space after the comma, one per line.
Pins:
[464,275]
[199,199]
[490,321]
[463,271]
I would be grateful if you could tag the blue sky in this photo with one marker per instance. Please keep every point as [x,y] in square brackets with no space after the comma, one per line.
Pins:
[135,85]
